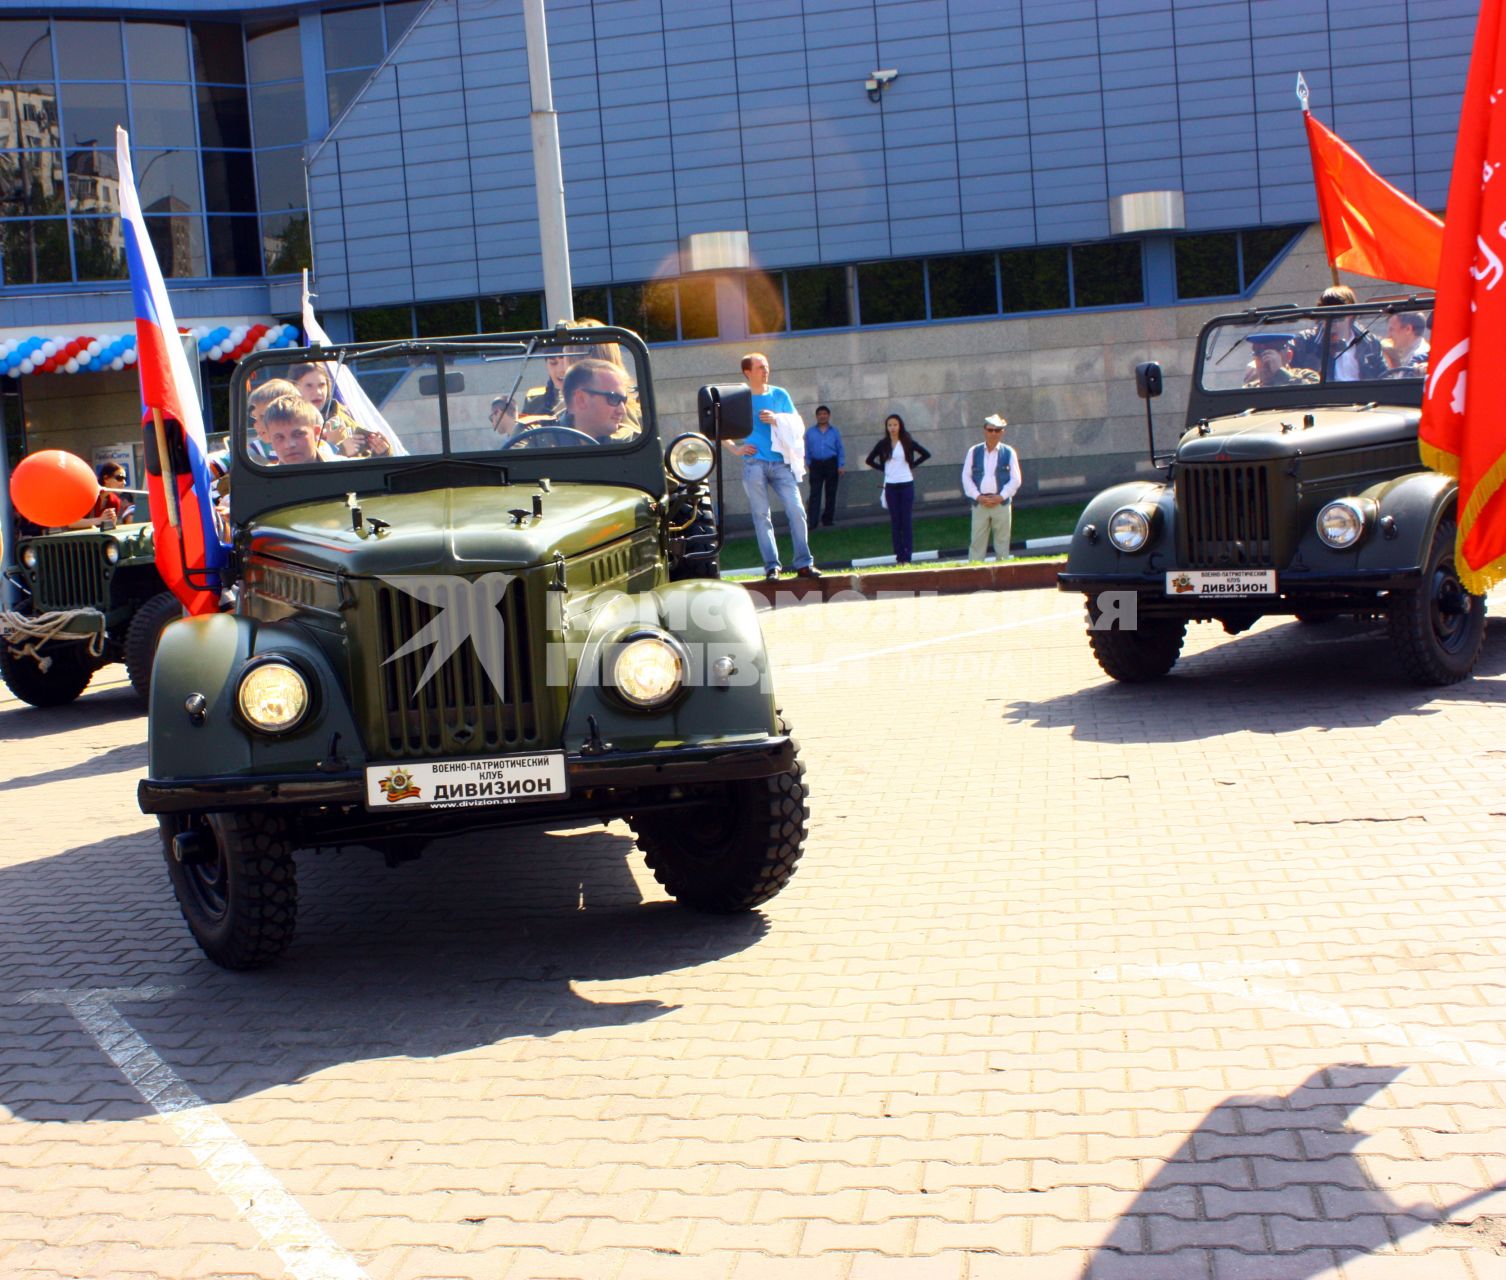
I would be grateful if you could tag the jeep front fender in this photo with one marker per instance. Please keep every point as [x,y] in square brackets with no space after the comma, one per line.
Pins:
[206,656]
[1092,552]
[1408,510]
[712,620]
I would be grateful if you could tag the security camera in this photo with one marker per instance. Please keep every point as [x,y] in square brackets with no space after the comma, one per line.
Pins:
[876,82]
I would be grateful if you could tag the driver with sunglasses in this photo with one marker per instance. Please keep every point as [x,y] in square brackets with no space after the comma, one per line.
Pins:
[596,395]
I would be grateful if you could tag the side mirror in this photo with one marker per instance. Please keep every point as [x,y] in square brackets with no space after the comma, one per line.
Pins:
[726,412]
[1148,380]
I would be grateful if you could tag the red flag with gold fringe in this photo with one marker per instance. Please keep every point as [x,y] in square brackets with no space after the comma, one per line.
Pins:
[1463,431]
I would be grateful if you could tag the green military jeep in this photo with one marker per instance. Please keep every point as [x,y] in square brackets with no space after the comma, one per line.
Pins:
[1296,489]
[93,597]
[470,632]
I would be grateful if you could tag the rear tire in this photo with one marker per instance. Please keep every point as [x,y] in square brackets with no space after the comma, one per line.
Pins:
[1146,653]
[1438,629]
[143,635]
[241,902]
[736,850]
[67,675]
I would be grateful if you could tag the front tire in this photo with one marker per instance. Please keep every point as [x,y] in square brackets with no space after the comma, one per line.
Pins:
[1438,629]
[1146,653]
[143,635]
[239,892]
[736,850]
[67,675]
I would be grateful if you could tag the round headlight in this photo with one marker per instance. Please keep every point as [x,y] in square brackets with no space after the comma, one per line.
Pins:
[691,458]
[648,670]
[29,557]
[1129,529]
[112,553]
[1341,523]
[273,696]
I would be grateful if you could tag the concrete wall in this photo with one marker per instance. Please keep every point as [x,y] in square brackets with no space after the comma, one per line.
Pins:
[79,412]
[1065,382]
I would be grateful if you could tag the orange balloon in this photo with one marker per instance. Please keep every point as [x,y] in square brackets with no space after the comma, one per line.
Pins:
[53,487]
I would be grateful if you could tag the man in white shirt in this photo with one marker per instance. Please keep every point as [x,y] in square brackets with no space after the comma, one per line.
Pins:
[991,478]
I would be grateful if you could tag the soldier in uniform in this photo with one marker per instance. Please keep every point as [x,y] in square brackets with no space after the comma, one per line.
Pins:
[1271,361]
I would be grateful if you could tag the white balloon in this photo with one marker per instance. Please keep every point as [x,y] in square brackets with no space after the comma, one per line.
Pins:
[94,348]
[71,366]
[129,355]
[26,366]
[49,349]
[117,364]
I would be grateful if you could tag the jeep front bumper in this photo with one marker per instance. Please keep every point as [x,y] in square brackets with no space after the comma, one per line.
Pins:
[607,769]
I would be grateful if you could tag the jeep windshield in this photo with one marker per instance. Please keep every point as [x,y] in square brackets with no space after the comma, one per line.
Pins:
[453,398]
[1323,346]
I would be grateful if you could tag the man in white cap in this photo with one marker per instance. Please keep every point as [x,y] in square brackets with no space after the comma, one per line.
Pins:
[991,478]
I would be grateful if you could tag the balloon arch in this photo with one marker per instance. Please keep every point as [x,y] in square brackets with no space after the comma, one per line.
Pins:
[85,354]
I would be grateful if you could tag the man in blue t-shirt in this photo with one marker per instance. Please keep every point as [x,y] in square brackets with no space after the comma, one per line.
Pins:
[766,468]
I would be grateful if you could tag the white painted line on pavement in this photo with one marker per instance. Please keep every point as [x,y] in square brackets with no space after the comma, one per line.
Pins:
[948,638]
[283,1223]
[1237,980]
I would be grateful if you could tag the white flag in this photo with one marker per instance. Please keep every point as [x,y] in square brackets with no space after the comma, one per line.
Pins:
[348,389]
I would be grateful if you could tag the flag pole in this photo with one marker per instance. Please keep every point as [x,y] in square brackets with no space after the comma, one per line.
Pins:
[1302,97]
[169,477]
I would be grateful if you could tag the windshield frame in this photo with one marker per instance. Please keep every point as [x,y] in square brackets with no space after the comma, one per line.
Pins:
[1206,402]
[257,487]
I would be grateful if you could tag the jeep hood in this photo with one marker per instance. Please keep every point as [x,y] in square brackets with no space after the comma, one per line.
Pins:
[468,530]
[1283,433]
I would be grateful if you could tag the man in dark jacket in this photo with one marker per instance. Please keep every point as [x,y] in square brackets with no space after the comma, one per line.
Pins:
[1352,352]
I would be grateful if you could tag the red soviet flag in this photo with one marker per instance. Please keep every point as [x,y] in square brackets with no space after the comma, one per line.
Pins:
[1463,430]
[1369,227]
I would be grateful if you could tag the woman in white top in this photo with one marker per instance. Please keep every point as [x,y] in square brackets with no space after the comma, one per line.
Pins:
[897,455]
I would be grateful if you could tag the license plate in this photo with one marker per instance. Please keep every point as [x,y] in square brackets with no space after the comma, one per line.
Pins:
[1221,582]
[463,784]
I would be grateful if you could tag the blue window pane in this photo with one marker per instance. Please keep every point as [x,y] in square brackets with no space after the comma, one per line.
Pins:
[179,243]
[162,115]
[29,115]
[31,183]
[157,50]
[273,51]
[167,181]
[353,38]
[90,51]
[229,182]
[285,242]
[99,249]
[91,112]
[279,115]
[35,251]
[217,54]
[224,120]
[343,87]
[93,182]
[279,180]
[400,17]
[234,247]
[25,49]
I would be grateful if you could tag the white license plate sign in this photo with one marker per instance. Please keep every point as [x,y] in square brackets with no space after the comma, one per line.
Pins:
[459,784]
[1221,582]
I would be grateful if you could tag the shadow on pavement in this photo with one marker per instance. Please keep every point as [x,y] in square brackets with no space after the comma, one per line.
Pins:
[1286,678]
[128,758]
[1274,1179]
[20,722]
[478,942]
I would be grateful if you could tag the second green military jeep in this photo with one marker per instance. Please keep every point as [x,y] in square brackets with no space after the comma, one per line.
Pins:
[93,596]
[1296,489]
[469,632]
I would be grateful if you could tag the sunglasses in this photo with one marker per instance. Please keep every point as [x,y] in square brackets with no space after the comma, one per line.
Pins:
[611,397]
[993,431]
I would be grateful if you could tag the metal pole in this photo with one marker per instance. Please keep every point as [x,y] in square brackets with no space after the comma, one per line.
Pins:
[7,523]
[548,175]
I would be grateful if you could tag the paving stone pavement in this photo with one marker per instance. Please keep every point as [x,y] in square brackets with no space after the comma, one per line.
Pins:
[1198,979]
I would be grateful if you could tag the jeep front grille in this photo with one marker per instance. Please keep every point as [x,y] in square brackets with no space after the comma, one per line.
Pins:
[1225,515]
[69,574]
[458,711]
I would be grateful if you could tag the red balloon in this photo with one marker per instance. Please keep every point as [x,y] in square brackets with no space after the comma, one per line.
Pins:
[53,487]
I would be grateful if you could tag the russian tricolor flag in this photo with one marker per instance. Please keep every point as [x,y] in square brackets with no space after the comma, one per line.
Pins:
[189,552]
